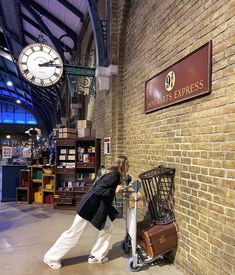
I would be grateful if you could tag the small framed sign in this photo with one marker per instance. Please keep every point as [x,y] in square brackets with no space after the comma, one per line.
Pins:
[6,152]
[188,78]
[107,145]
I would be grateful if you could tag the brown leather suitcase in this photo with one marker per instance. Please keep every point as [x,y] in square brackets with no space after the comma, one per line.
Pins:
[157,239]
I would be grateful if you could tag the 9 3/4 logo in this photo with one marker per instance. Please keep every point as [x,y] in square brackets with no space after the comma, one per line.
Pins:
[170,81]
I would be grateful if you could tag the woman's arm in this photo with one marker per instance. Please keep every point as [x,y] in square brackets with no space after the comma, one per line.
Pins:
[107,185]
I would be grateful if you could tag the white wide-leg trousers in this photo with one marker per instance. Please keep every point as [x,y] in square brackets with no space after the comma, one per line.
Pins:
[70,238]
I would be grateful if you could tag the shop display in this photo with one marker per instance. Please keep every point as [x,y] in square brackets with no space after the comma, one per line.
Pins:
[77,162]
[24,192]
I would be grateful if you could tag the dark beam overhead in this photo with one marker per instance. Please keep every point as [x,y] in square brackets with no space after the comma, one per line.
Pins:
[14,77]
[10,79]
[61,102]
[14,37]
[50,96]
[28,6]
[98,33]
[45,101]
[53,19]
[6,34]
[74,10]
[33,38]
[25,20]
[22,40]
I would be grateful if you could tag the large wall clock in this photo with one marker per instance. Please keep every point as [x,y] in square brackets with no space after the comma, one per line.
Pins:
[40,64]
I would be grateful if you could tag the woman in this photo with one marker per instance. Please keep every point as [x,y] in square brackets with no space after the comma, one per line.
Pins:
[95,208]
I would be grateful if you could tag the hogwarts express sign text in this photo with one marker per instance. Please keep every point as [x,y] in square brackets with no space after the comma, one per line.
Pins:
[187,78]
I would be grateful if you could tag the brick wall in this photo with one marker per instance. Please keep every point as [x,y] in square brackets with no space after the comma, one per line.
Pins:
[196,137]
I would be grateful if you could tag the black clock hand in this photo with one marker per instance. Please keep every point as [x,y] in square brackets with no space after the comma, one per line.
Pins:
[48,62]
[49,65]
[45,63]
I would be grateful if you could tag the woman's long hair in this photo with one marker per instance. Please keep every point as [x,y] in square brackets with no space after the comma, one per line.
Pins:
[119,165]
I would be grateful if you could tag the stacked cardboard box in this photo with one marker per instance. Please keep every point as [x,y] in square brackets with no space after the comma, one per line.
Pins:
[85,128]
[67,133]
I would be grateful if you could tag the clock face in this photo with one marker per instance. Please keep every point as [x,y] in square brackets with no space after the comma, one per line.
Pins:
[40,64]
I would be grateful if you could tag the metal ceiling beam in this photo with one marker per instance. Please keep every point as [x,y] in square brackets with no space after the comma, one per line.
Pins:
[98,33]
[18,87]
[74,10]
[5,52]
[33,38]
[53,19]
[31,22]
[61,102]
[56,92]
[14,77]
[41,97]
[36,95]
[22,40]
[45,108]
[28,6]
[53,108]
[12,53]
[13,36]
[43,104]
[5,70]
[5,88]
[22,104]
[38,27]
[3,25]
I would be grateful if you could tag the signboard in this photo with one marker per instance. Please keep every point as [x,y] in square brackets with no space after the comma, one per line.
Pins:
[107,145]
[6,152]
[187,78]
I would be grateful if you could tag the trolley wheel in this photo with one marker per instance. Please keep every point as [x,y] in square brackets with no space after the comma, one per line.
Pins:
[131,267]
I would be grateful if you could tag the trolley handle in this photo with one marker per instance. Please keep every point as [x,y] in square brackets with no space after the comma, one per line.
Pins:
[126,188]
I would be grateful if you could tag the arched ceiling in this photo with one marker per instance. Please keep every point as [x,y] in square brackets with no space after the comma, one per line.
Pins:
[59,23]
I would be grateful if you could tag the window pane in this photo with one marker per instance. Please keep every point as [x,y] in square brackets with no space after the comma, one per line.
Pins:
[13,114]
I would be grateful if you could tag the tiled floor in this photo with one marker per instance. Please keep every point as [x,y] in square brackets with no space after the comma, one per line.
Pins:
[28,231]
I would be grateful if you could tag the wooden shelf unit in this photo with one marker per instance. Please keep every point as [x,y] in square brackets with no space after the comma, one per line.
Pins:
[43,184]
[24,191]
[77,163]
[48,188]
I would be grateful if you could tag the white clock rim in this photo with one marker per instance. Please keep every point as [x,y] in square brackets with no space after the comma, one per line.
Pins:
[33,82]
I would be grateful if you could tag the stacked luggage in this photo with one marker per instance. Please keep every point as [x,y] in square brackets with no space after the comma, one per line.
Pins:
[159,234]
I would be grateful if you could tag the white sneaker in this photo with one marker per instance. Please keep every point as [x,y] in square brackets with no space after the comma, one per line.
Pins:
[55,265]
[93,260]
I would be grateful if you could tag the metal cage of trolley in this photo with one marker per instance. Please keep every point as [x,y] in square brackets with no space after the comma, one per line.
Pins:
[158,186]
[150,239]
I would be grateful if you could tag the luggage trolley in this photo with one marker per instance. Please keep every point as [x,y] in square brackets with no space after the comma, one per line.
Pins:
[158,186]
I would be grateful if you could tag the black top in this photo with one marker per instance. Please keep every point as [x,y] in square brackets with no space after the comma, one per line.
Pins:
[96,204]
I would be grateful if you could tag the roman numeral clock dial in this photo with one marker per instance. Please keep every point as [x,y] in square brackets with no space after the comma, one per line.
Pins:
[40,64]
